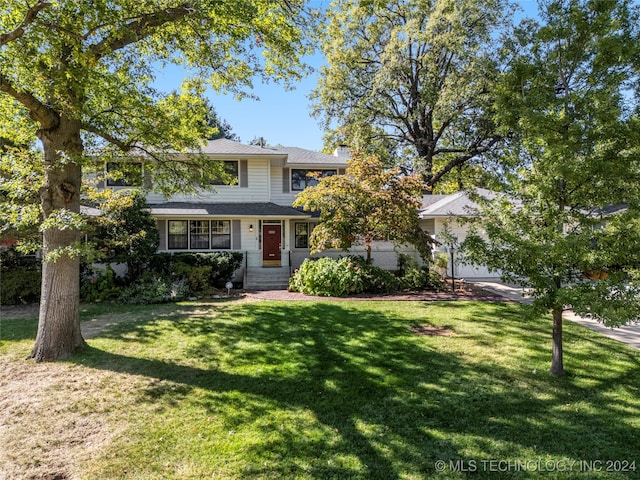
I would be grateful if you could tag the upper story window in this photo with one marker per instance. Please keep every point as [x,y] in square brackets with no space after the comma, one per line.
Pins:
[230,168]
[124,175]
[303,178]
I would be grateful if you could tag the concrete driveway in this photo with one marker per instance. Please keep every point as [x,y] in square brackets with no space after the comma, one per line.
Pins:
[629,334]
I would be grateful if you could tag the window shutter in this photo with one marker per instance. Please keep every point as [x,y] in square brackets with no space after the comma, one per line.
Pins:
[147,181]
[236,235]
[162,231]
[341,171]
[285,180]
[243,174]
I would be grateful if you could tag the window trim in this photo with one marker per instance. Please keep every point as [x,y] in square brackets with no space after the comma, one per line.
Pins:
[191,234]
[324,172]
[310,226]
[169,235]
[235,173]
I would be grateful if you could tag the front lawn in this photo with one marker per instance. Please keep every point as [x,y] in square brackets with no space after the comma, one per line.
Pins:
[340,390]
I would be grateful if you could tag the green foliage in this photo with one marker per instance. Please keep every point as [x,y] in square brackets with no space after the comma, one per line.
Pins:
[575,138]
[100,285]
[366,204]
[126,232]
[153,289]
[21,177]
[201,271]
[414,277]
[349,275]
[413,82]
[20,278]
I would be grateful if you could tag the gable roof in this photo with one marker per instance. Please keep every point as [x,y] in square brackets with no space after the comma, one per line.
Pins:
[222,146]
[293,155]
[302,156]
[455,205]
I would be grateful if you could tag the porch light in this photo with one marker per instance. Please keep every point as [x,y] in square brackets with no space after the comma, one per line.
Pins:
[251,228]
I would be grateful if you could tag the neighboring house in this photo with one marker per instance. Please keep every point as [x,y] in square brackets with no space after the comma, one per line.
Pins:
[441,215]
[254,216]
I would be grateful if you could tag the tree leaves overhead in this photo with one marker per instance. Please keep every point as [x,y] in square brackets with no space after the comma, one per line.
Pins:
[412,80]
[97,61]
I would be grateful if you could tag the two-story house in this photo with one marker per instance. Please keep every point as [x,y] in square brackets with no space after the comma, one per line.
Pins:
[254,215]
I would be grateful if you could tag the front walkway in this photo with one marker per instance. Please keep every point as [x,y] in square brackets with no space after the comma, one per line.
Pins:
[629,334]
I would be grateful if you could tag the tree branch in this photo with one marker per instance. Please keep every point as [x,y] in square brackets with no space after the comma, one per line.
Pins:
[38,111]
[139,28]
[29,18]
[462,159]
[124,146]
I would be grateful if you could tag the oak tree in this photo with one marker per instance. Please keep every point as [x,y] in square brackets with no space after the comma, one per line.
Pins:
[412,81]
[80,76]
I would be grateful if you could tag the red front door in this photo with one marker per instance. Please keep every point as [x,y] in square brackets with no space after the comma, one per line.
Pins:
[271,243]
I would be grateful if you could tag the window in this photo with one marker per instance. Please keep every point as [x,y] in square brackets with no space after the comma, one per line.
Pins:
[230,167]
[199,234]
[302,178]
[220,234]
[178,234]
[124,175]
[302,232]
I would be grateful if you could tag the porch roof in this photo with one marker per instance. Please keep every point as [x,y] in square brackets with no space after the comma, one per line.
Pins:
[255,209]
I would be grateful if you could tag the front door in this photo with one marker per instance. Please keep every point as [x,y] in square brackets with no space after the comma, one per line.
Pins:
[271,244]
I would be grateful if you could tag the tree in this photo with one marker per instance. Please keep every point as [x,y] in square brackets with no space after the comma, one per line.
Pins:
[413,81]
[220,127]
[81,74]
[368,203]
[572,109]
[126,231]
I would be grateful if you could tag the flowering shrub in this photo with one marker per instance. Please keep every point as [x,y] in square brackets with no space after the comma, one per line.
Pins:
[338,278]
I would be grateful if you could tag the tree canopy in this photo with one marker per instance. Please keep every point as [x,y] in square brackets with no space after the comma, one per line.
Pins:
[413,81]
[368,203]
[572,209]
[79,76]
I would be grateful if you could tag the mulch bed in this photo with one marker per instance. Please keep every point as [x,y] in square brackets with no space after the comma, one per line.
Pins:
[464,291]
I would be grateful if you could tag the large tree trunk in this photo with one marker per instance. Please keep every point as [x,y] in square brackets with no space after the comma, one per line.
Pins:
[59,333]
[557,363]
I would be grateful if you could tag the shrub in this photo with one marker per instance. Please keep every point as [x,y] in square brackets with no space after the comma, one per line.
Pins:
[421,279]
[126,232]
[344,276]
[154,289]
[20,278]
[99,285]
[20,286]
[414,277]
[180,266]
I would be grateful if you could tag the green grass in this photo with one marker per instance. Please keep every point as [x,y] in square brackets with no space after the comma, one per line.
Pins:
[345,390]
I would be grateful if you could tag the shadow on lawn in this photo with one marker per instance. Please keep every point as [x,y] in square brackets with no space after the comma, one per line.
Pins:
[395,401]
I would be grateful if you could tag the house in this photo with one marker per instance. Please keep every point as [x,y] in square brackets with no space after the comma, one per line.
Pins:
[441,216]
[254,215]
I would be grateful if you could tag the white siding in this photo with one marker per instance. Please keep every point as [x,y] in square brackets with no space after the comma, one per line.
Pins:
[277,195]
[460,270]
[256,191]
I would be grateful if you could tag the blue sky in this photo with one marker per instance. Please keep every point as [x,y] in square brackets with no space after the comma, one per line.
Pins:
[281,117]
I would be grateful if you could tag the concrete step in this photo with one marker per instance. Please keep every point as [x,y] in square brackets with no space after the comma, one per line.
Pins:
[267,279]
